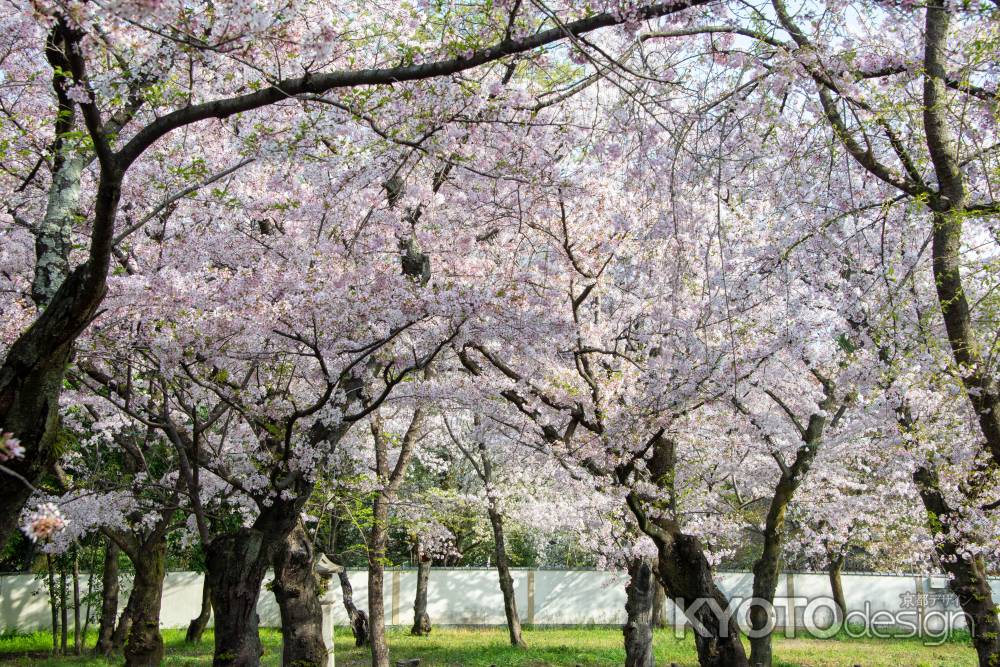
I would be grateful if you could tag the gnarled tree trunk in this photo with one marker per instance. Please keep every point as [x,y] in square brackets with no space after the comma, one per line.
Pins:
[421,620]
[236,564]
[357,617]
[235,567]
[640,593]
[684,571]
[196,628]
[687,579]
[297,590]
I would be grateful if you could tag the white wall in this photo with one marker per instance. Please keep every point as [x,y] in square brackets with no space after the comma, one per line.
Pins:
[471,596]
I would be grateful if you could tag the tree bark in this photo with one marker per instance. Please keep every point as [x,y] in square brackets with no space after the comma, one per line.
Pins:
[379,535]
[376,580]
[109,599]
[421,620]
[53,604]
[683,569]
[640,593]
[358,618]
[837,585]
[77,644]
[296,588]
[949,206]
[968,580]
[659,605]
[767,567]
[32,372]
[196,628]
[236,563]
[63,612]
[124,622]
[687,579]
[144,646]
[506,580]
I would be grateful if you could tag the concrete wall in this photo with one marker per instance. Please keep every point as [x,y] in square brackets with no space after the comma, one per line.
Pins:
[471,596]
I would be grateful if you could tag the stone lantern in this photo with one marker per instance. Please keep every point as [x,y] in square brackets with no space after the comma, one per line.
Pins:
[325,569]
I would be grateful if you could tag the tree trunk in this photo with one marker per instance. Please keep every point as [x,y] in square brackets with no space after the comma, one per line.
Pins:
[837,585]
[684,570]
[90,600]
[196,628]
[968,580]
[765,581]
[63,612]
[235,568]
[687,579]
[506,580]
[144,647]
[640,594]
[236,563]
[358,618]
[766,570]
[297,591]
[109,599]
[124,622]
[767,567]
[376,579]
[33,416]
[659,605]
[967,346]
[77,644]
[53,604]
[421,620]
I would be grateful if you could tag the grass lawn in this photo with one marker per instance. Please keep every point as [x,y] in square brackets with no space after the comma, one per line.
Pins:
[562,647]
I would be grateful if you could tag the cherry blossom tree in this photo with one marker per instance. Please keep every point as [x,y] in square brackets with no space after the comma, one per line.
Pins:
[127,79]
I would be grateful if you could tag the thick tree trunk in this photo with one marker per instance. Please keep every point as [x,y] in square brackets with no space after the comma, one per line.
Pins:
[297,591]
[376,580]
[235,568]
[506,580]
[659,605]
[358,618]
[109,599]
[837,585]
[236,563]
[640,593]
[196,628]
[31,378]
[968,580]
[687,579]
[421,620]
[684,570]
[144,647]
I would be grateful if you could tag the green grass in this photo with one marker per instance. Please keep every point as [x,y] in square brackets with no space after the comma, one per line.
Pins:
[549,647]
